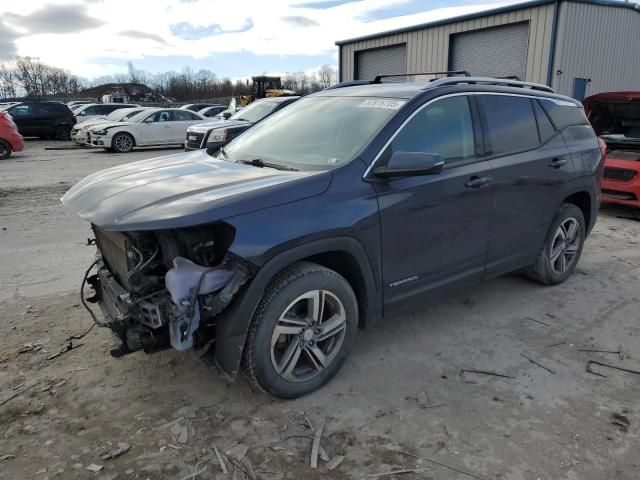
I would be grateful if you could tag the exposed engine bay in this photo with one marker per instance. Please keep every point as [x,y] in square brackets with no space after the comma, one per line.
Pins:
[161,289]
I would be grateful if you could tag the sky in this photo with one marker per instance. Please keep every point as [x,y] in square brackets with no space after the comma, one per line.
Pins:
[233,38]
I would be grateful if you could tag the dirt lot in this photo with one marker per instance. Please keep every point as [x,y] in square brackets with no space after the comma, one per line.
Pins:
[399,403]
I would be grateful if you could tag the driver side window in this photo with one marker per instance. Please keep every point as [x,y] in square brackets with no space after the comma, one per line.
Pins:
[161,116]
[444,127]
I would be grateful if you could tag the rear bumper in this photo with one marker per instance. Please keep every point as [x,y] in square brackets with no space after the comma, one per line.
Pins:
[621,182]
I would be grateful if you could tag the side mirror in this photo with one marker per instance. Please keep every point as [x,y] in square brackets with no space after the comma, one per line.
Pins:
[409,164]
[226,115]
[83,113]
[148,120]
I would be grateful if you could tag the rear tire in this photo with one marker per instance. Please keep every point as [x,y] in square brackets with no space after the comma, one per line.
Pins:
[562,247]
[63,133]
[5,150]
[301,332]
[122,143]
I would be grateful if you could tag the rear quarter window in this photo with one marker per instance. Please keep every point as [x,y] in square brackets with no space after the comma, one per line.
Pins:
[511,123]
[564,114]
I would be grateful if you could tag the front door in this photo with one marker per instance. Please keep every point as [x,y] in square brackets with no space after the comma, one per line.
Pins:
[157,129]
[24,116]
[434,228]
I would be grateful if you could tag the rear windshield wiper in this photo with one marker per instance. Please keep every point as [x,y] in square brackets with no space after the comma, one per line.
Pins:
[257,162]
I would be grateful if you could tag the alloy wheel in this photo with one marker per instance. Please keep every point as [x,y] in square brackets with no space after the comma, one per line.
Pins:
[308,335]
[123,143]
[565,246]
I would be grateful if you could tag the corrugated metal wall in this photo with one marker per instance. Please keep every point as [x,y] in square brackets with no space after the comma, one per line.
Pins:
[428,49]
[597,42]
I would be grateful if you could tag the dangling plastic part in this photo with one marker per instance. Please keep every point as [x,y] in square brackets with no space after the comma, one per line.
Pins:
[185,281]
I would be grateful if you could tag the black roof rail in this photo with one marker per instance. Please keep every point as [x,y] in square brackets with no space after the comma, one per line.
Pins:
[490,81]
[350,83]
[379,78]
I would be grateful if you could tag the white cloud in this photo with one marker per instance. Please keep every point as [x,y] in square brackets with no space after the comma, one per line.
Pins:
[311,32]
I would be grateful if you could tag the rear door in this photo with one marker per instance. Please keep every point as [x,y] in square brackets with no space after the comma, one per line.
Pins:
[530,165]
[434,228]
[183,120]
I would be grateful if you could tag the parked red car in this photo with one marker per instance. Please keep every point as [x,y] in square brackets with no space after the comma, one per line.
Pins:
[10,139]
[615,117]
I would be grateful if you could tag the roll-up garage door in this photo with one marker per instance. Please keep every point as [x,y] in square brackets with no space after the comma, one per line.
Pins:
[380,61]
[492,52]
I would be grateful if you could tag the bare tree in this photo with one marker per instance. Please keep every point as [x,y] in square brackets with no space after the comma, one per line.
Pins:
[327,75]
[28,76]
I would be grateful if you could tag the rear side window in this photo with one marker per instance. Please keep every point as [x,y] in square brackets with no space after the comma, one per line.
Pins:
[564,114]
[445,128]
[52,108]
[185,115]
[511,123]
[93,110]
[545,127]
[105,109]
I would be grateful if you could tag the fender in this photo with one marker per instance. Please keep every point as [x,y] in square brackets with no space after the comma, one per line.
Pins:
[233,323]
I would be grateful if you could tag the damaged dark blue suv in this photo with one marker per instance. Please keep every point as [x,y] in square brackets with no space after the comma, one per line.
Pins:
[334,212]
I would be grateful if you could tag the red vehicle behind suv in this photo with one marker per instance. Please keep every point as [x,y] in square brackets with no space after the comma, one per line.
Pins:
[616,119]
[10,139]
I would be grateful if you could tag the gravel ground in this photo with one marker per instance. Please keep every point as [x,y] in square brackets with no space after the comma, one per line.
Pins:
[400,402]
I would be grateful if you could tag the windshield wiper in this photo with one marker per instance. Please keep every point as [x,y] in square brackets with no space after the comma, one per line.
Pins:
[257,162]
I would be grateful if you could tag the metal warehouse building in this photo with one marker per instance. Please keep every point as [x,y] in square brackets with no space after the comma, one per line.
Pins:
[578,47]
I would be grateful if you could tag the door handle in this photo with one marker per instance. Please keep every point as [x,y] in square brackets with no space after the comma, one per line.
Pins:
[558,162]
[477,182]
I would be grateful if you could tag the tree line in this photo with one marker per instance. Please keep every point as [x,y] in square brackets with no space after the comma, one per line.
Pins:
[28,77]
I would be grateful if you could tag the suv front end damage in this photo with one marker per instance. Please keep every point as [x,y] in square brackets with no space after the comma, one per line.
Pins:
[161,289]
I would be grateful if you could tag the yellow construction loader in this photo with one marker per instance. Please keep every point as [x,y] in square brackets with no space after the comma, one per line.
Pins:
[264,86]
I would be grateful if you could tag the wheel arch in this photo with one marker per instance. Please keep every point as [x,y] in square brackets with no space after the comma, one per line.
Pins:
[582,199]
[133,137]
[345,255]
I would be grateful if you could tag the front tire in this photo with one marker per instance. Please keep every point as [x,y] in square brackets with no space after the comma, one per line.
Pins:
[122,143]
[301,332]
[562,248]
[5,150]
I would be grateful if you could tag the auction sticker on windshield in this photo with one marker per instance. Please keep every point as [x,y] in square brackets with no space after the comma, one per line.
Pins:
[382,103]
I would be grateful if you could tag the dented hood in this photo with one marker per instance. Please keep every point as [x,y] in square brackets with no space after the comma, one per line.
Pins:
[184,190]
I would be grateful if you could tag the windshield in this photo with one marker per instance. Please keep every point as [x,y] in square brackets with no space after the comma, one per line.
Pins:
[254,112]
[140,116]
[121,114]
[314,133]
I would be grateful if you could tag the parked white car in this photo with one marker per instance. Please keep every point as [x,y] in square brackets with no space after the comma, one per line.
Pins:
[80,131]
[95,110]
[151,127]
